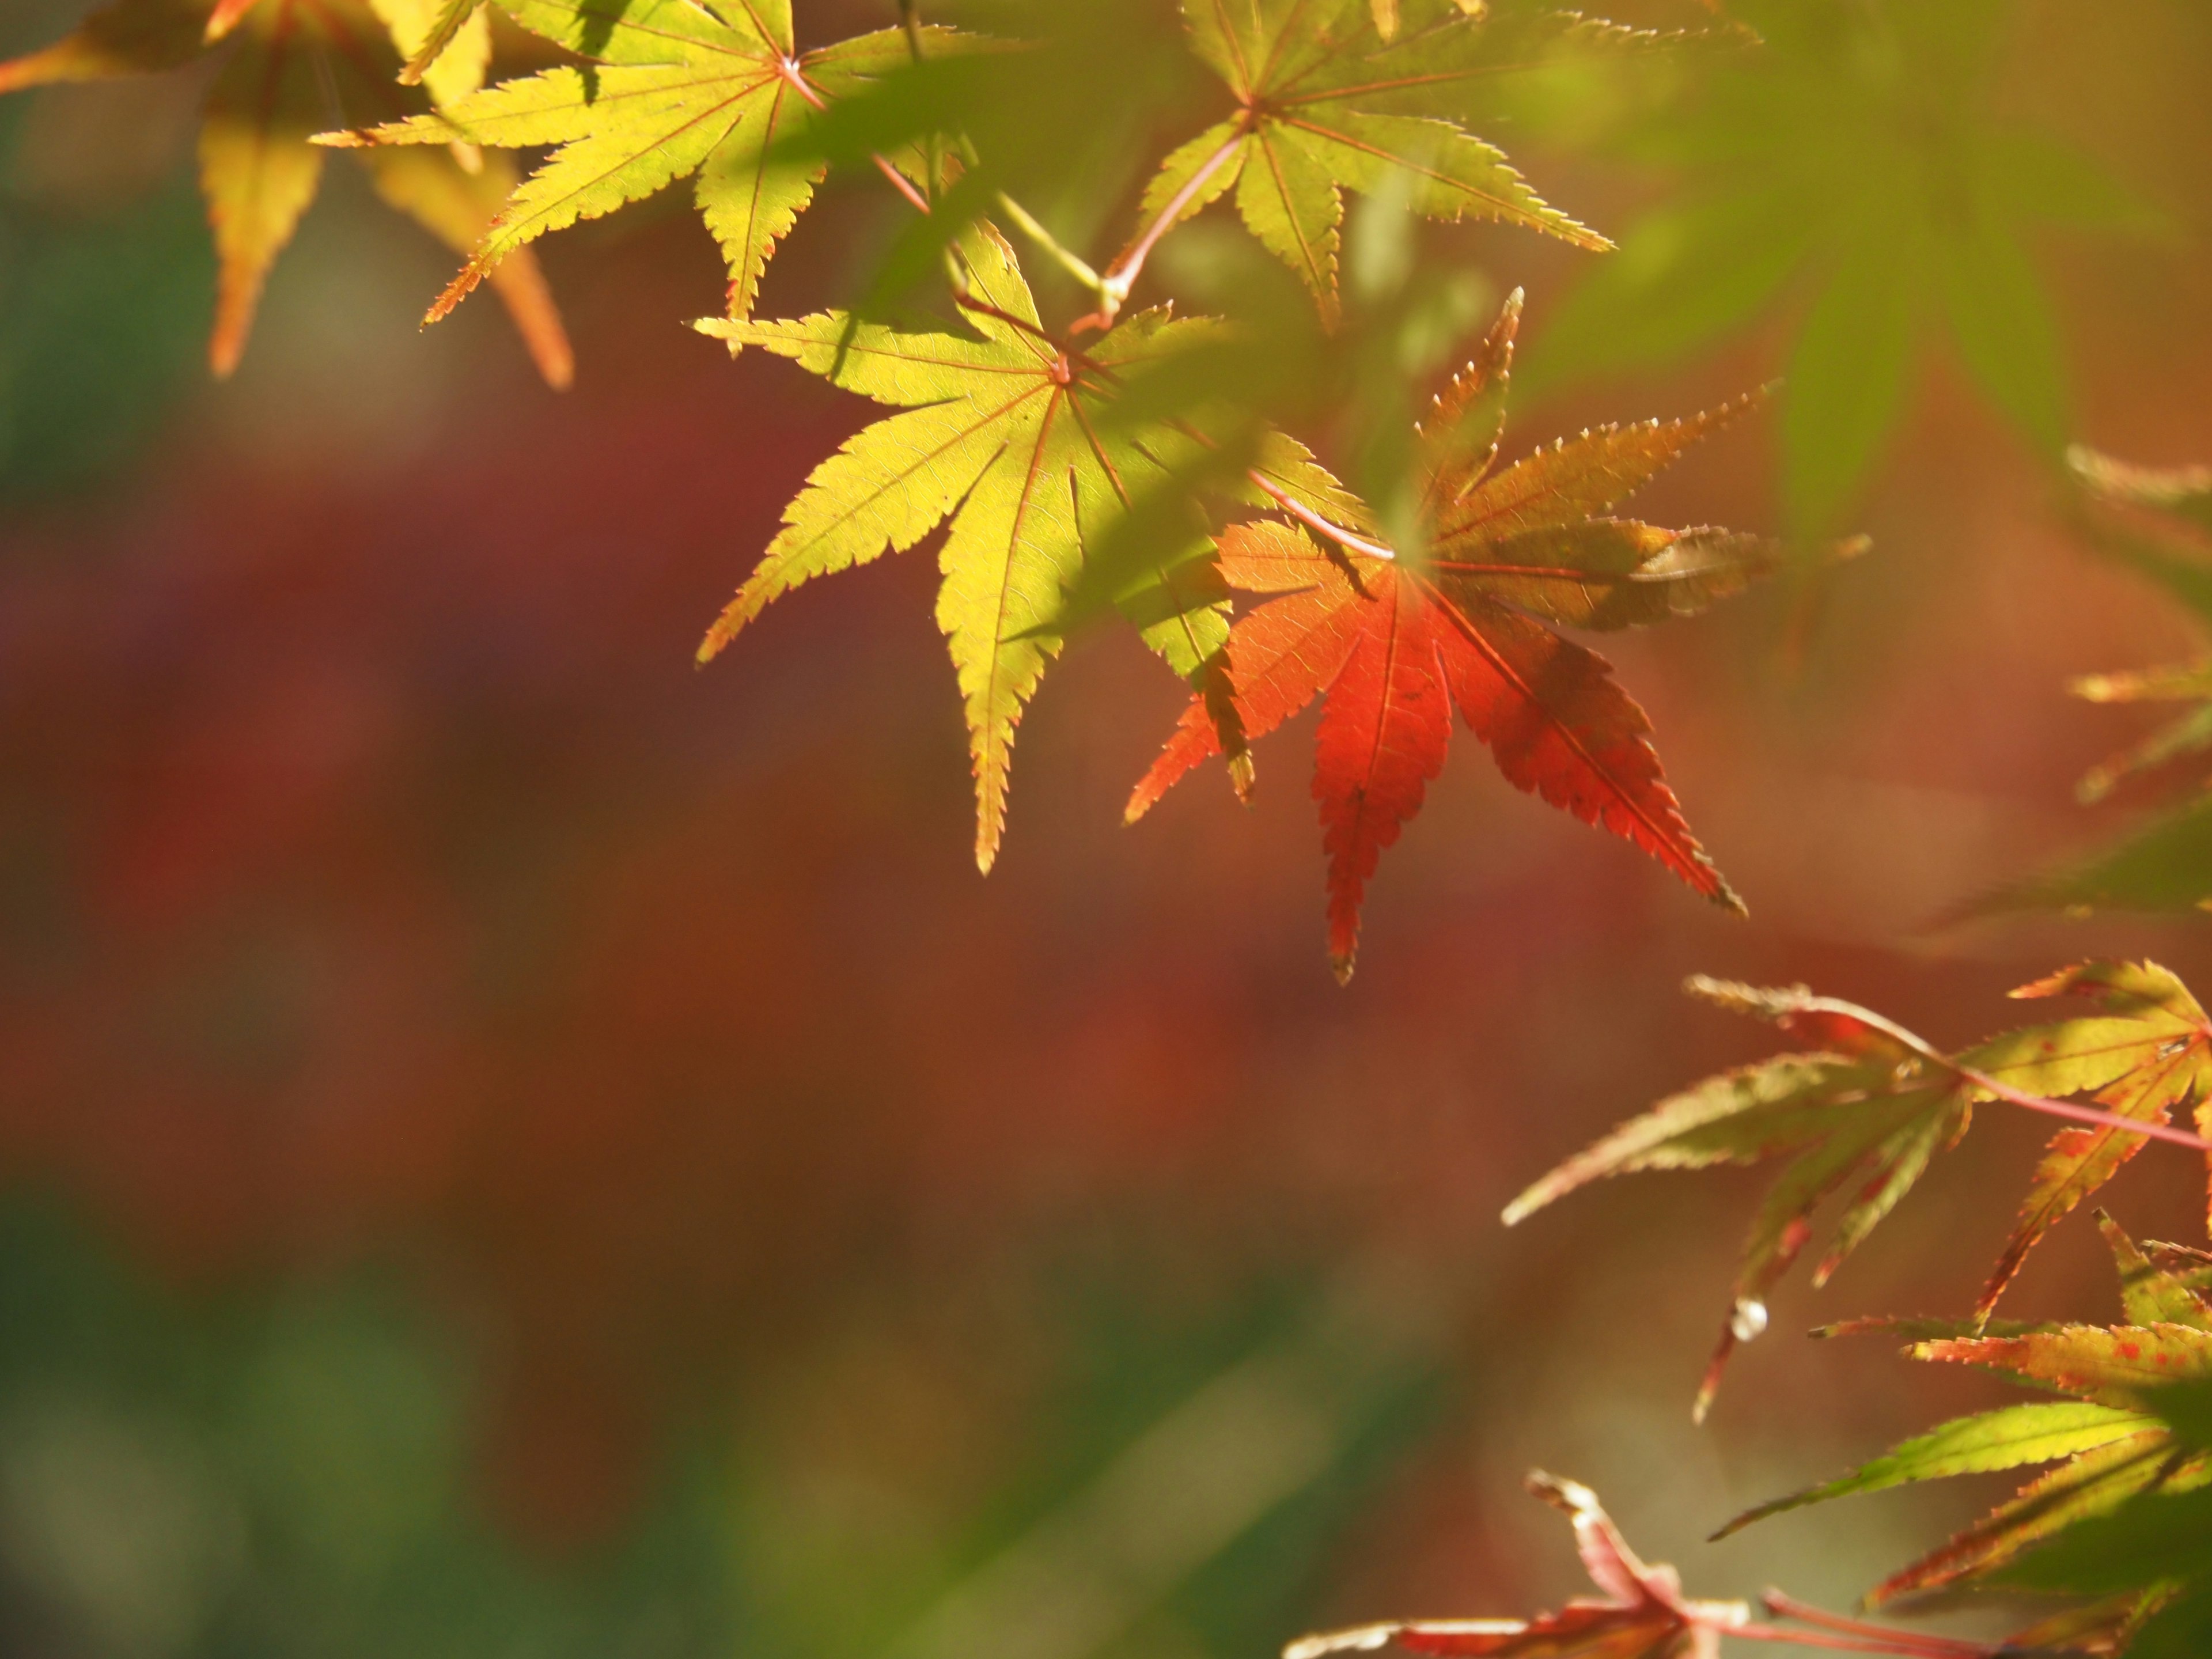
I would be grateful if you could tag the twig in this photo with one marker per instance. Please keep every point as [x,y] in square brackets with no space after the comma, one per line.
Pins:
[1905,1643]
[1121,276]
[1075,265]
[788,68]
[1112,287]
[1784,1606]
[1996,1090]
[1314,521]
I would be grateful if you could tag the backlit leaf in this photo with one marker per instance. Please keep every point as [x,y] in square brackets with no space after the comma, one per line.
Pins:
[1331,96]
[1394,646]
[716,92]
[2001,1439]
[1004,430]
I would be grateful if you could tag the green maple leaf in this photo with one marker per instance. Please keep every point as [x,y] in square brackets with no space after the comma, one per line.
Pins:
[1866,1104]
[1014,435]
[1856,156]
[716,90]
[1325,103]
[285,64]
[2112,1442]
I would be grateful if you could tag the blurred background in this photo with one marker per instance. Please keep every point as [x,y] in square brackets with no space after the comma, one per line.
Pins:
[512,1146]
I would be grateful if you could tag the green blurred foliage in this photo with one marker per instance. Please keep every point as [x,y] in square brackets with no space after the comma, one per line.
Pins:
[102,312]
[2154,521]
[290,1472]
[1858,167]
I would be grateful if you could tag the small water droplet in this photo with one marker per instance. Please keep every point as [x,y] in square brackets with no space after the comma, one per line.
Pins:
[1749,1319]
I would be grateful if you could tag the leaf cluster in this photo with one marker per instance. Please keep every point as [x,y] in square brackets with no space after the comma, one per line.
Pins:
[1867,1105]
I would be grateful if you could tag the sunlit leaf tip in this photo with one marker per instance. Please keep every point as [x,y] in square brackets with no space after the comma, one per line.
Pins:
[225,16]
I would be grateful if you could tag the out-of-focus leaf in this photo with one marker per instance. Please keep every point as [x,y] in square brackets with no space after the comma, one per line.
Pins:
[125,37]
[1692,272]
[1394,644]
[2156,520]
[1861,162]
[2166,865]
[457,205]
[2004,325]
[1001,432]
[288,66]
[1845,382]
[2190,735]
[2183,491]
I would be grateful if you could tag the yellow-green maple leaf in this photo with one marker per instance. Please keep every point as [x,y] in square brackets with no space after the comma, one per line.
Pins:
[1325,102]
[714,88]
[1012,433]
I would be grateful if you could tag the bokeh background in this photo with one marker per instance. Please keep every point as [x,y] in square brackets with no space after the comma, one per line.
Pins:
[512,1146]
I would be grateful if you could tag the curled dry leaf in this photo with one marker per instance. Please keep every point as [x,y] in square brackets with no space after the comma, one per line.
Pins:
[1642,1614]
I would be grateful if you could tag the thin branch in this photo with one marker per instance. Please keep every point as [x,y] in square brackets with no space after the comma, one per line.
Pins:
[788,68]
[1121,276]
[967,302]
[1074,264]
[1904,1642]
[1112,287]
[910,19]
[1784,1606]
[1314,521]
[1998,1090]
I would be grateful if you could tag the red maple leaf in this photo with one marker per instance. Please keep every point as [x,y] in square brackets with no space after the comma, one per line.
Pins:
[1395,644]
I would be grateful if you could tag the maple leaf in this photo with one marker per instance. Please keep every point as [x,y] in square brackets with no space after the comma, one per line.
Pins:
[2158,521]
[1860,165]
[1642,1615]
[2108,1441]
[1011,432]
[2176,502]
[1330,96]
[674,88]
[1872,1102]
[2150,1055]
[285,63]
[1393,647]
